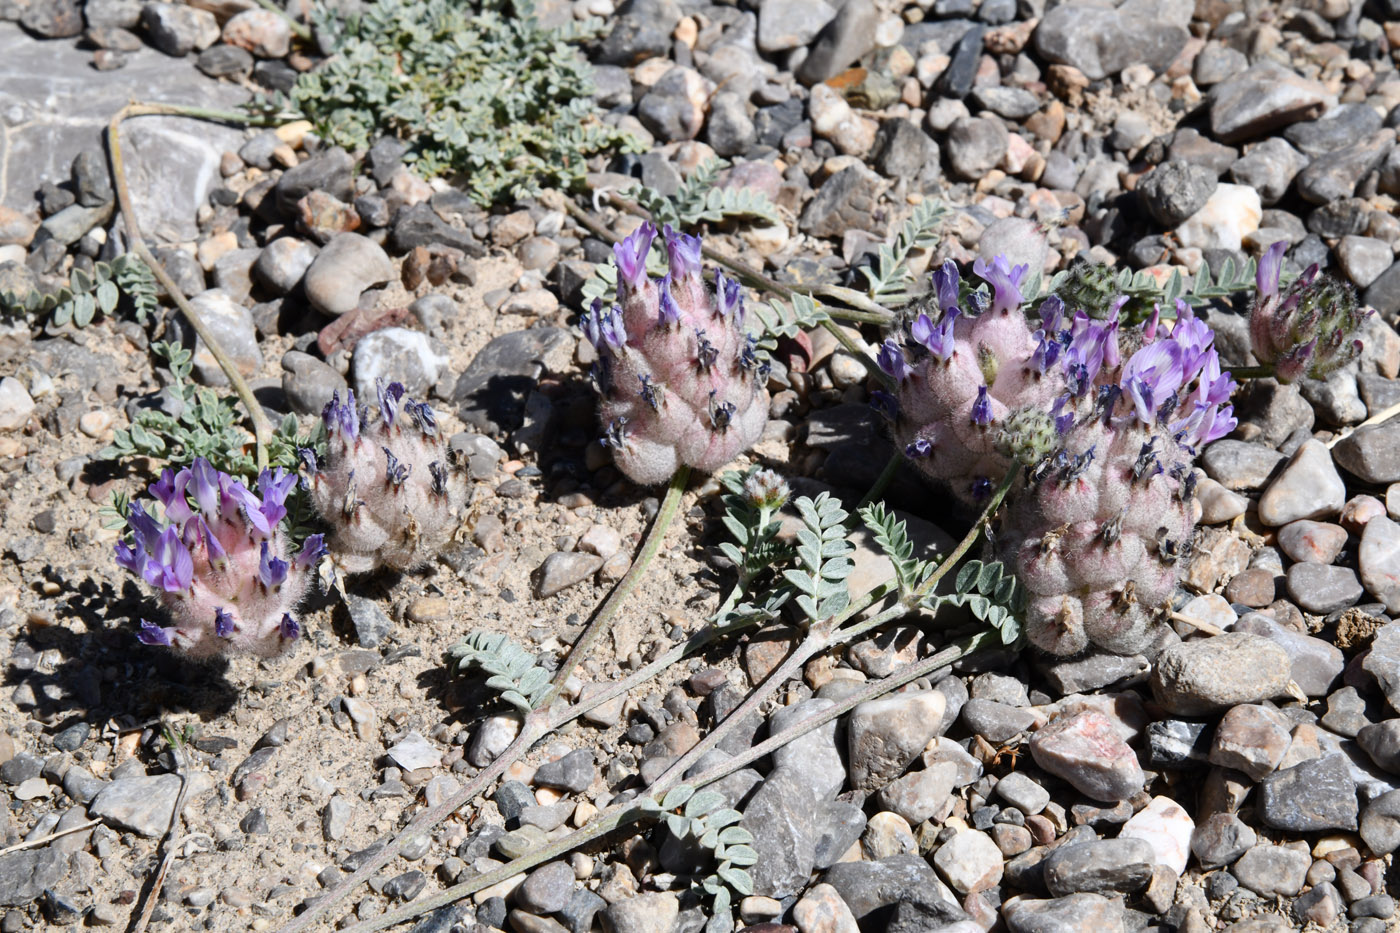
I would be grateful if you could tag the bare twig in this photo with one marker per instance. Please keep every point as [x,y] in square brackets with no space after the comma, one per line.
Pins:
[262,427]
[45,840]
[177,749]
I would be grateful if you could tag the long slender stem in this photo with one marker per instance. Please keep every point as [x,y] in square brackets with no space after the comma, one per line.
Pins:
[622,814]
[262,427]
[602,618]
[535,726]
[973,534]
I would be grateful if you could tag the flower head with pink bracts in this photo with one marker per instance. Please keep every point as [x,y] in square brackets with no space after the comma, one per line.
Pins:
[387,488]
[1097,532]
[218,558]
[682,382]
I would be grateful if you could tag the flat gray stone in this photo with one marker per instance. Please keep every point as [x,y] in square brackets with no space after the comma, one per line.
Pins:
[1264,98]
[145,804]
[25,874]
[1212,674]
[1314,796]
[1383,662]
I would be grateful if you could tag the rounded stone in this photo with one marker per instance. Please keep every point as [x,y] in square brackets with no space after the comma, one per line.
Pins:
[1206,675]
[340,273]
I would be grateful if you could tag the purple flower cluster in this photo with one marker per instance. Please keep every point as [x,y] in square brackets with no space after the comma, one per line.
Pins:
[681,381]
[218,559]
[1307,331]
[385,488]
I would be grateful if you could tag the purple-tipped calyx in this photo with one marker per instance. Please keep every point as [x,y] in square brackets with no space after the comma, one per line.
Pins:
[1005,281]
[892,361]
[631,255]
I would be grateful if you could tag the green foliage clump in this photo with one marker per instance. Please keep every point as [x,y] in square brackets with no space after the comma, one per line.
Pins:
[699,199]
[1095,287]
[87,294]
[479,90]
[510,670]
[208,425]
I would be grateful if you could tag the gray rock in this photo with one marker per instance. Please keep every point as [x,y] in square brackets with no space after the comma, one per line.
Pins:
[1372,453]
[342,270]
[1173,191]
[1216,63]
[1339,218]
[1364,258]
[642,30]
[1384,293]
[1013,103]
[372,624]
[493,388]
[329,171]
[413,752]
[975,146]
[1383,661]
[643,913]
[232,273]
[336,817]
[1307,488]
[1211,674]
[1269,168]
[22,767]
[90,179]
[1177,744]
[1264,98]
[1099,867]
[309,383]
[902,150]
[1240,465]
[996,722]
[420,225]
[283,262]
[1381,740]
[730,131]
[564,569]
[1221,838]
[1380,823]
[790,24]
[112,14]
[26,874]
[225,61]
[669,110]
[920,795]
[397,354]
[1346,713]
[783,817]
[843,41]
[583,906]
[1378,559]
[845,201]
[69,225]
[1321,589]
[1314,796]
[1268,870]
[1340,128]
[1090,671]
[548,889]
[1337,175]
[81,785]
[232,325]
[1077,913]
[868,887]
[814,756]
[178,30]
[574,772]
[1102,41]
[1316,664]
[145,805]
[1023,793]
[885,735]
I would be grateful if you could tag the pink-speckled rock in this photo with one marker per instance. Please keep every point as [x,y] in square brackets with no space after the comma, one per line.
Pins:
[1086,750]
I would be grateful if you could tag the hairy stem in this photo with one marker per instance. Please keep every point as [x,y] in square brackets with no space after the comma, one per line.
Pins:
[622,814]
[262,427]
[602,618]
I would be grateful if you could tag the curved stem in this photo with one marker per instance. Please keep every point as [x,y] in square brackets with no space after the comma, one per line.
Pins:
[537,724]
[602,617]
[262,427]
